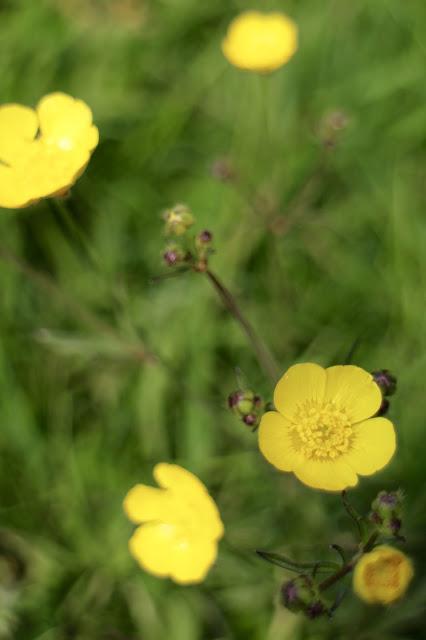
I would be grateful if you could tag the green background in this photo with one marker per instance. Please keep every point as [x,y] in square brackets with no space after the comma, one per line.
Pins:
[322,244]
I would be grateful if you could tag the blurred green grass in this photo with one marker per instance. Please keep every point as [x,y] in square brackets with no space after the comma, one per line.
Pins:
[321,246]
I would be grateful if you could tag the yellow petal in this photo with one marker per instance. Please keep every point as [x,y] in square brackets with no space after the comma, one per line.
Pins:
[300,383]
[18,127]
[328,475]
[260,42]
[193,495]
[275,441]
[354,389]
[144,504]
[192,560]
[152,546]
[50,170]
[13,192]
[66,122]
[374,445]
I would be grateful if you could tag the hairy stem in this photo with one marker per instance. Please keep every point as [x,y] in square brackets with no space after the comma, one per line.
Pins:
[262,352]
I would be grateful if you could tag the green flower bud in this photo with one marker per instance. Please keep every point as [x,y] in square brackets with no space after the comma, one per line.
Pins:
[178,220]
[173,255]
[246,405]
[301,594]
[386,512]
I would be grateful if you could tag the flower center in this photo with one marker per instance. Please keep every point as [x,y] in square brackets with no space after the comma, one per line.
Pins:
[321,431]
[383,574]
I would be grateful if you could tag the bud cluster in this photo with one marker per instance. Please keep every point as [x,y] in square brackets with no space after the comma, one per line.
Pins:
[387,384]
[185,250]
[386,513]
[247,405]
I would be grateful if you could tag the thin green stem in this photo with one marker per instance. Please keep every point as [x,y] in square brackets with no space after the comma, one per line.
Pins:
[264,356]
[291,565]
[348,567]
[353,514]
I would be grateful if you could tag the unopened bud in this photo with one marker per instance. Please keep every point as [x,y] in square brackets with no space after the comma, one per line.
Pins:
[386,512]
[301,594]
[173,255]
[250,420]
[384,407]
[246,405]
[386,381]
[205,237]
[178,220]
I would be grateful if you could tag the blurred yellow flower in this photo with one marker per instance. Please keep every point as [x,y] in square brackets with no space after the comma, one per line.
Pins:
[180,525]
[260,42]
[383,575]
[323,430]
[43,151]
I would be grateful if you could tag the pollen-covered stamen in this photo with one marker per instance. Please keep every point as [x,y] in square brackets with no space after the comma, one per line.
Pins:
[383,573]
[321,431]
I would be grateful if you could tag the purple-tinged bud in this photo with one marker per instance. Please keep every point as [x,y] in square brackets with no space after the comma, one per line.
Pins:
[205,237]
[245,402]
[386,381]
[170,257]
[388,500]
[250,420]
[395,525]
[315,610]
[234,398]
[386,512]
[384,407]
[301,594]
[173,255]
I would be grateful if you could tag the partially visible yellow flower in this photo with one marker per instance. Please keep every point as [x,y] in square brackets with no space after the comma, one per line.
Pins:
[180,525]
[260,42]
[323,430]
[383,575]
[43,151]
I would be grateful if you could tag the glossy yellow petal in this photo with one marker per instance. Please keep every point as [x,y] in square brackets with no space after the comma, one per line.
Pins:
[328,475]
[260,42]
[13,191]
[301,383]
[383,575]
[152,545]
[50,170]
[275,441]
[193,496]
[144,504]
[192,560]
[373,446]
[18,127]
[66,122]
[353,389]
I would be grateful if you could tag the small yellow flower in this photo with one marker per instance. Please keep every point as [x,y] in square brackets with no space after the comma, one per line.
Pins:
[323,430]
[383,575]
[260,42]
[180,525]
[43,151]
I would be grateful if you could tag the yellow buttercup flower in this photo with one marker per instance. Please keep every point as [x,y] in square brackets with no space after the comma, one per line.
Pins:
[323,430]
[43,151]
[180,525]
[383,575]
[260,42]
